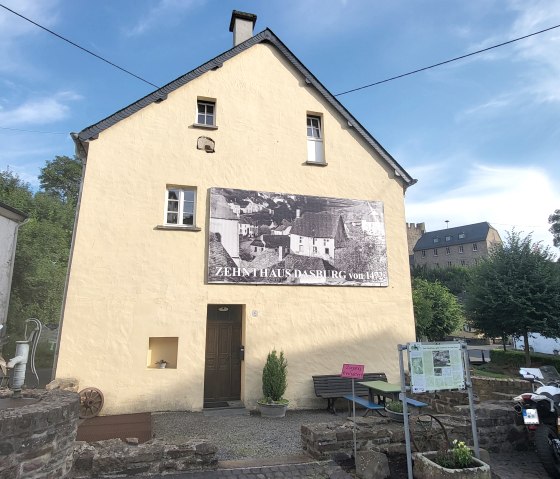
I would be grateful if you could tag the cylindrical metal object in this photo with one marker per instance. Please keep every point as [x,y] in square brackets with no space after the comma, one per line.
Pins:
[18,373]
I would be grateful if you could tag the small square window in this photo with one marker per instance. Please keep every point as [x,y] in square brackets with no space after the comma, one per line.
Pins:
[181,207]
[206,113]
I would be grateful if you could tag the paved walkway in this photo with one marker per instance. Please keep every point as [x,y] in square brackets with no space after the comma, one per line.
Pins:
[517,465]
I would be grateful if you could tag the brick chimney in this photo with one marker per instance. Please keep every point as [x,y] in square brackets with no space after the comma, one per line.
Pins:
[241,25]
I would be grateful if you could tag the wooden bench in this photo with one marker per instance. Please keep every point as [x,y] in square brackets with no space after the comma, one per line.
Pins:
[332,387]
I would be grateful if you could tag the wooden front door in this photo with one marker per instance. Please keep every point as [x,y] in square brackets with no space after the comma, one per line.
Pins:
[222,375]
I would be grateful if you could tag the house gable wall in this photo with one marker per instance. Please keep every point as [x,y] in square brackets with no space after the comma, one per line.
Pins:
[130,281]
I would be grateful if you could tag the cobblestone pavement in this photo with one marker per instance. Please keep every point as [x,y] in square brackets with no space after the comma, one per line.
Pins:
[311,470]
[517,465]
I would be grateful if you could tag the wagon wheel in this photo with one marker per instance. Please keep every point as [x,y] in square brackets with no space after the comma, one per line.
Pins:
[91,402]
[428,433]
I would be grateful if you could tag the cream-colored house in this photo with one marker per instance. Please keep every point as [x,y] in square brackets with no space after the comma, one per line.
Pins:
[160,272]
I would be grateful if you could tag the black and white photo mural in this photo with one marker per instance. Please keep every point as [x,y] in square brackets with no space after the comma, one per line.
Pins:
[258,237]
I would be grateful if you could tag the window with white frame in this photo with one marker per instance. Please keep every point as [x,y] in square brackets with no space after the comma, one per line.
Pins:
[460,248]
[447,250]
[461,235]
[475,247]
[315,148]
[181,207]
[435,252]
[206,113]
[436,240]
[449,263]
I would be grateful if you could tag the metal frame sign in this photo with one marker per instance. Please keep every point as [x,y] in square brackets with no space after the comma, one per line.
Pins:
[436,366]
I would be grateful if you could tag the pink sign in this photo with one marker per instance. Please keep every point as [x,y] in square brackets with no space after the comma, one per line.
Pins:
[353,371]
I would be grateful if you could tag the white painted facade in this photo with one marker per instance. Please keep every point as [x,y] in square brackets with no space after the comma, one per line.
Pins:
[10,221]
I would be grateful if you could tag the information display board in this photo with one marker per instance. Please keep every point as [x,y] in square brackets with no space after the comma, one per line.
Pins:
[436,366]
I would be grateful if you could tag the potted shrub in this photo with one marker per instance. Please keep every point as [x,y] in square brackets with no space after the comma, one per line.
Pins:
[162,363]
[274,383]
[457,462]
[394,410]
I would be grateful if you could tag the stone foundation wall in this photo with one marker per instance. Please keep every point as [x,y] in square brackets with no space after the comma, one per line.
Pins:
[492,389]
[115,457]
[37,440]
[372,433]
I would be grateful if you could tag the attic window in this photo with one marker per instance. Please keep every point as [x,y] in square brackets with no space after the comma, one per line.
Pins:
[448,238]
[461,235]
[315,147]
[205,113]
[436,240]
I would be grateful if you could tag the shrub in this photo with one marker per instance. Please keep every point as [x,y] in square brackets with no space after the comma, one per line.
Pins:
[395,406]
[458,457]
[274,377]
[516,359]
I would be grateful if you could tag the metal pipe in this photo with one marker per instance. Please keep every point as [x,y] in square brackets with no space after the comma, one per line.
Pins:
[18,365]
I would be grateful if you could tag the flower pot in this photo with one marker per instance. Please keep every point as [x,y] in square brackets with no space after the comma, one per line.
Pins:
[273,409]
[395,416]
[425,468]
[162,365]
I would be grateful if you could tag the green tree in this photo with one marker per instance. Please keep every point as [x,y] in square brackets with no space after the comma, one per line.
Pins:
[554,220]
[454,278]
[42,250]
[436,310]
[62,177]
[516,291]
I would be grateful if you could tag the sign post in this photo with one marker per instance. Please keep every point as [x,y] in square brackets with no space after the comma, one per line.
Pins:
[433,367]
[353,371]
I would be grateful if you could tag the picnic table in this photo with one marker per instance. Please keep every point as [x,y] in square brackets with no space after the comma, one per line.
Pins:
[384,389]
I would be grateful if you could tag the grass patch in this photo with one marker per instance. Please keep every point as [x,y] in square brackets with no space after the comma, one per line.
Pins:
[486,372]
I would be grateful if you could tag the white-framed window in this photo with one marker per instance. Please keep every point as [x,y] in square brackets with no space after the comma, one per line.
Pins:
[447,250]
[180,206]
[315,147]
[460,248]
[448,238]
[315,249]
[314,127]
[449,263]
[475,247]
[435,252]
[461,235]
[436,240]
[206,112]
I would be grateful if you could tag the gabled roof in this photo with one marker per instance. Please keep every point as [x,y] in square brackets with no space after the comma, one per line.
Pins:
[12,213]
[274,241]
[316,225]
[219,209]
[469,234]
[266,36]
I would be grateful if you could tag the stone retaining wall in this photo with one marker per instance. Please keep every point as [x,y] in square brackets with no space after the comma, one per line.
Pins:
[492,389]
[115,457]
[37,440]
[497,432]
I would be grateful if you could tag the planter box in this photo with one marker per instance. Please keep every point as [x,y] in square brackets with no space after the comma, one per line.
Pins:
[425,468]
[273,410]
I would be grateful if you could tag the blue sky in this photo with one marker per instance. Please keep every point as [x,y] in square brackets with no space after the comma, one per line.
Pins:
[482,135]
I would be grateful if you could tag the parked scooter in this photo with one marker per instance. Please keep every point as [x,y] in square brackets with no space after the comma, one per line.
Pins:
[540,411]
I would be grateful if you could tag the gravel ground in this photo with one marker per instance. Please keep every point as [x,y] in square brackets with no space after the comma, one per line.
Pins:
[241,437]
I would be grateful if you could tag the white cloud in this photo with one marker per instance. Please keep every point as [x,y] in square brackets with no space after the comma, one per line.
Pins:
[39,111]
[13,27]
[506,197]
[164,12]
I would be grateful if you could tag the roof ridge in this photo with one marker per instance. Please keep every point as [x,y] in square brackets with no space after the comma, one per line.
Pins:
[267,35]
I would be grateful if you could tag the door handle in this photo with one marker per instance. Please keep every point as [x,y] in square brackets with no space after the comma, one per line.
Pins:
[242,353]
